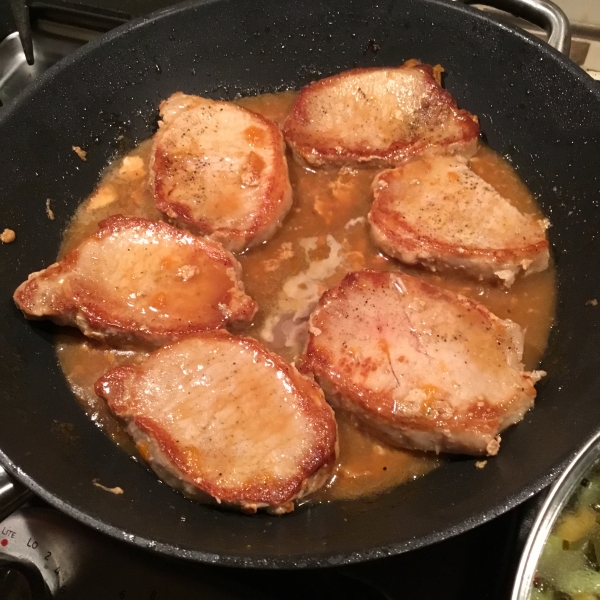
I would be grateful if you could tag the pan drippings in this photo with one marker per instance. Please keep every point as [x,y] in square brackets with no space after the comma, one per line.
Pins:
[324,236]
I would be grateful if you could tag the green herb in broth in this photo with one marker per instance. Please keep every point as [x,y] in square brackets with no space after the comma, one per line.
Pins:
[569,567]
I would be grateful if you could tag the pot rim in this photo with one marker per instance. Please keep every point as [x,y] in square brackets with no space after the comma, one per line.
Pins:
[559,494]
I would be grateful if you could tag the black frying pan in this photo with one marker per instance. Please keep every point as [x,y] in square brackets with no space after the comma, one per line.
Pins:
[536,108]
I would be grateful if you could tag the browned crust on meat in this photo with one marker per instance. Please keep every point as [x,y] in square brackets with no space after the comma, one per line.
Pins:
[320,152]
[267,493]
[86,311]
[276,199]
[375,411]
[397,238]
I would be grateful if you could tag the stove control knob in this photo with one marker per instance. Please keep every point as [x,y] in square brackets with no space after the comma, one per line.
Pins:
[39,548]
[21,580]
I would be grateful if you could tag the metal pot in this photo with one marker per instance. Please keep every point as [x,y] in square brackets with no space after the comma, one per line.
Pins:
[559,495]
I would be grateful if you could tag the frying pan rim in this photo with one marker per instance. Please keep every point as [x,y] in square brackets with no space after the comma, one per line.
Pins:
[323,559]
[188,4]
[297,561]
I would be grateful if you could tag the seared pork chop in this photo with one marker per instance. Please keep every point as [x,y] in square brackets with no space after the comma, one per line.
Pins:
[437,212]
[380,116]
[419,366]
[219,169]
[219,415]
[139,282]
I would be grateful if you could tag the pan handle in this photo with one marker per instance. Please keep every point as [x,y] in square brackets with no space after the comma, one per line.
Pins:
[12,494]
[20,12]
[544,13]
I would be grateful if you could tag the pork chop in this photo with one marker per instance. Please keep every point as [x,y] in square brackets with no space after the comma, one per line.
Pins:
[139,282]
[418,366]
[220,170]
[220,416]
[380,116]
[437,212]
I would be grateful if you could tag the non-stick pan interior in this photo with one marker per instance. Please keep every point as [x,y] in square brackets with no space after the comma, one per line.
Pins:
[535,108]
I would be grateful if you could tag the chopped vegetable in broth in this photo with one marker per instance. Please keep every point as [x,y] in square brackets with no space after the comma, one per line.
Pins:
[569,567]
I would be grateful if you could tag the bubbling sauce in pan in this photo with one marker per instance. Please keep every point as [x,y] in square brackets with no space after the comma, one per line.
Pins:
[324,236]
